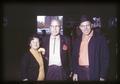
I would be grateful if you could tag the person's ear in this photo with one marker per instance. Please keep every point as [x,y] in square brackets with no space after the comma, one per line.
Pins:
[92,25]
[30,44]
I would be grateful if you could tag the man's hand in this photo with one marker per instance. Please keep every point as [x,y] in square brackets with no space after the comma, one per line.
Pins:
[75,77]
[25,79]
[102,79]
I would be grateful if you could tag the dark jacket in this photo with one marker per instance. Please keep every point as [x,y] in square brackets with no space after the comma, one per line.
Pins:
[98,56]
[63,53]
[29,67]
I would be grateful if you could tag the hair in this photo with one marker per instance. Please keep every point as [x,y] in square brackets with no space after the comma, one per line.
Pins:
[84,18]
[57,21]
[34,36]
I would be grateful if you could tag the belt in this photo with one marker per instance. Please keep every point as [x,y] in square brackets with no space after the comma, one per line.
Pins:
[54,66]
[86,66]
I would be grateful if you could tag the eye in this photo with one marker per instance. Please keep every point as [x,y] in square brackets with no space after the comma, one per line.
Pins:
[54,26]
[85,25]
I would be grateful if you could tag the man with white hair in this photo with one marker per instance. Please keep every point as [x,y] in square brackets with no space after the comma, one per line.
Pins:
[56,48]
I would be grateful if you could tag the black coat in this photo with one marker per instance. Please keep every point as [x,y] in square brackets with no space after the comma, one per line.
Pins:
[29,67]
[98,56]
[63,53]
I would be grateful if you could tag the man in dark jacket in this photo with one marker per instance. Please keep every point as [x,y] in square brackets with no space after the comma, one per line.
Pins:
[90,55]
[56,49]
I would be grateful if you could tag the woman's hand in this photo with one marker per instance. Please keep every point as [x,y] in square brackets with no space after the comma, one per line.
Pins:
[42,50]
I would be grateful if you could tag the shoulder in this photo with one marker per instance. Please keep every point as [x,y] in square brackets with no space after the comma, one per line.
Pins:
[65,38]
[27,55]
[77,39]
[101,37]
[45,38]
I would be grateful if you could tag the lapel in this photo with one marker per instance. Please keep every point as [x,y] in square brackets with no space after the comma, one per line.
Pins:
[62,52]
[78,44]
[61,47]
[47,46]
[91,48]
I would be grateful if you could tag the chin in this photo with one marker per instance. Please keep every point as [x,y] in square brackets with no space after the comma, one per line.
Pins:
[35,48]
[55,34]
[87,33]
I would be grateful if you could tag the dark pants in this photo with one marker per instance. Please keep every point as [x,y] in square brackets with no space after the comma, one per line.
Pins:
[55,73]
[83,73]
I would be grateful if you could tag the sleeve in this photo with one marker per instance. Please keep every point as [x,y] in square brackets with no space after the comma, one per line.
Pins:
[67,53]
[24,66]
[73,61]
[104,58]
[45,46]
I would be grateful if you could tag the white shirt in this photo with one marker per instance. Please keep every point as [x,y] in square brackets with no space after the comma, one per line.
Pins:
[54,54]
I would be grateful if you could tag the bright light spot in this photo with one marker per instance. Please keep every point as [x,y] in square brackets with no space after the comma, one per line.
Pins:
[60,17]
[41,18]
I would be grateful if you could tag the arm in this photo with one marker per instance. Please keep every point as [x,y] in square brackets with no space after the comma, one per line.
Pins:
[41,50]
[104,59]
[66,51]
[73,62]
[24,67]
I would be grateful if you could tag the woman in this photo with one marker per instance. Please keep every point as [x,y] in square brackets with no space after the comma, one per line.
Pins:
[33,62]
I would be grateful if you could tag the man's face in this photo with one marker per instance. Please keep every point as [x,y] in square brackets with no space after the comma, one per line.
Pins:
[55,27]
[85,27]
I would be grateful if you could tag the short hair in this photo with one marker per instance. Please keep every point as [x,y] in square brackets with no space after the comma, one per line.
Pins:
[84,18]
[57,21]
[34,36]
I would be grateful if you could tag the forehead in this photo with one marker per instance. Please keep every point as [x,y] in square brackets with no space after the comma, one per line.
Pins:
[35,39]
[55,22]
[85,22]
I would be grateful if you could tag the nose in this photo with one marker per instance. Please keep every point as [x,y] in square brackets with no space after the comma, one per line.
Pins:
[54,28]
[85,27]
[36,43]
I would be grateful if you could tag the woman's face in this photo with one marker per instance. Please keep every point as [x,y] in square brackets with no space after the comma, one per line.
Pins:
[34,44]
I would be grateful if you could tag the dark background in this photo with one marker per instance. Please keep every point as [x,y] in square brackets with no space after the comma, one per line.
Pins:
[21,20]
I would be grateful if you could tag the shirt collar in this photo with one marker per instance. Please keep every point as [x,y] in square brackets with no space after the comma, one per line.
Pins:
[57,37]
